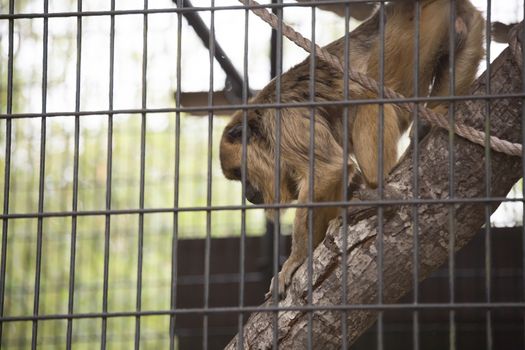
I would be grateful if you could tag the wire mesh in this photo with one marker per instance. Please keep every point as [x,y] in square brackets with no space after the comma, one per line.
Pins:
[102,198]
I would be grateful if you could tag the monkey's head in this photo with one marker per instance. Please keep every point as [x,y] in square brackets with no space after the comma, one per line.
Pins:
[260,158]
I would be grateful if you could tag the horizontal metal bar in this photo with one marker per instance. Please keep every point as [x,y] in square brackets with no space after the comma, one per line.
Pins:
[250,309]
[374,203]
[341,103]
[171,10]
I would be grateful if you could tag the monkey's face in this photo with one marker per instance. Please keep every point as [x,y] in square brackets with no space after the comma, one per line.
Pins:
[231,159]
[260,159]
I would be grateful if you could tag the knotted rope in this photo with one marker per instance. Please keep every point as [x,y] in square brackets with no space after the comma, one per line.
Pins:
[467,132]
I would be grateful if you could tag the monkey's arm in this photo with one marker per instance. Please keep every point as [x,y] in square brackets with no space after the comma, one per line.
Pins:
[299,252]
[327,185]
[469,36]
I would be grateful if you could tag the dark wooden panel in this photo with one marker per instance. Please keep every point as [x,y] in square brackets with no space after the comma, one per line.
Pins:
[223,287]
[471,325]
[506,285]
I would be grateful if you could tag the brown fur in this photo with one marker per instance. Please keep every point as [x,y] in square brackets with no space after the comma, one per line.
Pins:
[363,120]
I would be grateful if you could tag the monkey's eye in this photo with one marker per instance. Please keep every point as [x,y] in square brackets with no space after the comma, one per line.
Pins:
[235,133]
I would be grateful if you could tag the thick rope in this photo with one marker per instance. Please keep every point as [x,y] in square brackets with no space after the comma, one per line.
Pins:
[467,132]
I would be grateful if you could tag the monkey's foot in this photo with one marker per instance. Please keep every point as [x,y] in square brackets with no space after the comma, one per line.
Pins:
[284,277]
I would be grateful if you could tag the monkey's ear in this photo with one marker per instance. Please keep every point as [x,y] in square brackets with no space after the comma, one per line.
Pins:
[235,133]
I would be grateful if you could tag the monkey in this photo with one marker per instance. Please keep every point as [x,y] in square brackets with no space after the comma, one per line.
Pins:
[326,176]
[362,10]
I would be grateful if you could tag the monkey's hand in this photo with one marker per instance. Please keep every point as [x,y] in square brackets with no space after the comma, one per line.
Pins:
[284,277]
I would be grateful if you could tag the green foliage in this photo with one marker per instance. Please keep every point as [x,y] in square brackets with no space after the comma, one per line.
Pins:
[55,137]
[158,228]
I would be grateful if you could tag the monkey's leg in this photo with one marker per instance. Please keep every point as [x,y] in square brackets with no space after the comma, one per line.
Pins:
[442,77]
[366,141]
[466,59]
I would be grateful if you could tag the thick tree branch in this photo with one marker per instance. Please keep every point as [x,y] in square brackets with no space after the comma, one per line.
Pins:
[434,234]
[359,10]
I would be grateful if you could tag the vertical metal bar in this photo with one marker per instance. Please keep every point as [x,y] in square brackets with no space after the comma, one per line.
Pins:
[415,184]
[109,172]
[244,163]
[74,204]
[42,171]
[523,170]
[273,44]
[175,240]
[7,166]
[269,232]
[209,181]
[344,189]
[380,209]
[277,174]
[451,175]
[311,179]
[488,178]
[143,128]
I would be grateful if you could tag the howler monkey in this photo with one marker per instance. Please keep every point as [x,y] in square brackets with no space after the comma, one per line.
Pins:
[364,47]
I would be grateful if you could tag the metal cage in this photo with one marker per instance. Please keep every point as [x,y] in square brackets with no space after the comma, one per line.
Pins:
[97,202]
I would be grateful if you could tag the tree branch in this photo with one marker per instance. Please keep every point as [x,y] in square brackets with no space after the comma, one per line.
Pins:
[434,234]
[359,10]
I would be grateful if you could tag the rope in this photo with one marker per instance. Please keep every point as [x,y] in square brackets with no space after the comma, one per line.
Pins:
[467,132]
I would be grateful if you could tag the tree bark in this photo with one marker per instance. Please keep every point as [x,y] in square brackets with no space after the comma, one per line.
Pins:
[434,233]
